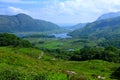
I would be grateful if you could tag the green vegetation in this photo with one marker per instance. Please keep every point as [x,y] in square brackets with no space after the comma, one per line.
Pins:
[11,40]
[116,74]
[19,63]
[24,23]
[92,54]
[104,32]
[39,36]
[23,64]
[110,54]
[66,44]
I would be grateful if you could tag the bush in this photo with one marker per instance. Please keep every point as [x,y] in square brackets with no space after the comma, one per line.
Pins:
[116,74]
[110,54]
[12,40]
[11,74]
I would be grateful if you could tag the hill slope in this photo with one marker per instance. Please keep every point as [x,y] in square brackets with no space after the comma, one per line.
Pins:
[101,28]
[23,64]
[78,26]
[104,32]
[24,23]
[109,15]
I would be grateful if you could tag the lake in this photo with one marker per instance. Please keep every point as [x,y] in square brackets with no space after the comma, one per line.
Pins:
[62,35]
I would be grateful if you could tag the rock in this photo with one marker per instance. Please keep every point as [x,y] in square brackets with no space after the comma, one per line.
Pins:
[100,77]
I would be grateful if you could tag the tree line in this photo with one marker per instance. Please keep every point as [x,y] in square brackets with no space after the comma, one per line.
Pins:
[110,53]
[12,40]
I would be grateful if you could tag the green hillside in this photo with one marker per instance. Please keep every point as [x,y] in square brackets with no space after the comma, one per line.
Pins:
[24,23]
[105,31]
[99,28]
[23,64]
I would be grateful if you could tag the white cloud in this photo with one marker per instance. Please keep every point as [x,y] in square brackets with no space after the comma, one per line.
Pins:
[19,1]
[68,11]
[81,10]
[15,10]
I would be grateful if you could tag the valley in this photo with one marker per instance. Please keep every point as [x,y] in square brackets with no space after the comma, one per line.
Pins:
[89,51]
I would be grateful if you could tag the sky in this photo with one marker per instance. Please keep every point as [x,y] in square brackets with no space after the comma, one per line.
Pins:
[60,11]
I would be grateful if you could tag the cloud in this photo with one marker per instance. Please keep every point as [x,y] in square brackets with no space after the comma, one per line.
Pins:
[19,1]
[80,10]
[15,10]
[62,11]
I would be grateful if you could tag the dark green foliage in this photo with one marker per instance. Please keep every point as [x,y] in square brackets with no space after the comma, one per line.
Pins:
[116,74]
[58,53]
[12,40]
[113,40]
[39,36]
[11,74]
[24,23]
[38,76]
[15,74]
[110,54]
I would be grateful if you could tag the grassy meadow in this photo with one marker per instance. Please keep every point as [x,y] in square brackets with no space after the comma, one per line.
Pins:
[23,64]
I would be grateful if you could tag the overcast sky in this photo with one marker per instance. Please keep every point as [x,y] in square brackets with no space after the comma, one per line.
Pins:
[60,11]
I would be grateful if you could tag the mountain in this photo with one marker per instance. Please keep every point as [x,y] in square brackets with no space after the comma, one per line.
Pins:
[101,28]
[109,15]
[79,25]
[72,26]
[24,23]
[103,33]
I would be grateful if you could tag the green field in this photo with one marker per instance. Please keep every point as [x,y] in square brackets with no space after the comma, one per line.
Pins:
[53,43]
[23,64]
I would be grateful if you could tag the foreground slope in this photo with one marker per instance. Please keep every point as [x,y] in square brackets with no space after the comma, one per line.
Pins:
[23,64]
[24,23]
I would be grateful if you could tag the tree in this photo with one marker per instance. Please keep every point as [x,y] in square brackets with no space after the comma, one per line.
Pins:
[12,40]
[116,74]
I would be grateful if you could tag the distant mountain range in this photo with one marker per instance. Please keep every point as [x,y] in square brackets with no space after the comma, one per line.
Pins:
[109,15]
[79,25]
[24,23]
[104,16]
[104,32]
[101,28]
[108,23]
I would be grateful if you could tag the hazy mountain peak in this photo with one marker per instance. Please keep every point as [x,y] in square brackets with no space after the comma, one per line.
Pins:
[109,15]
[22,15]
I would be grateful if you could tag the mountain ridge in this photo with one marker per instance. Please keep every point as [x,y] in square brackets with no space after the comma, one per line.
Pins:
[109,15]
[24,23]
[101,27]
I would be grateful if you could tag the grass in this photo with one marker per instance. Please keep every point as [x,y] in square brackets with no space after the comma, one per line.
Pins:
[53,43]
[24,64]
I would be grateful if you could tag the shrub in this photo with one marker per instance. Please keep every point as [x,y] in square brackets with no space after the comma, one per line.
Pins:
[12,40]
[116,74]
[11,74]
